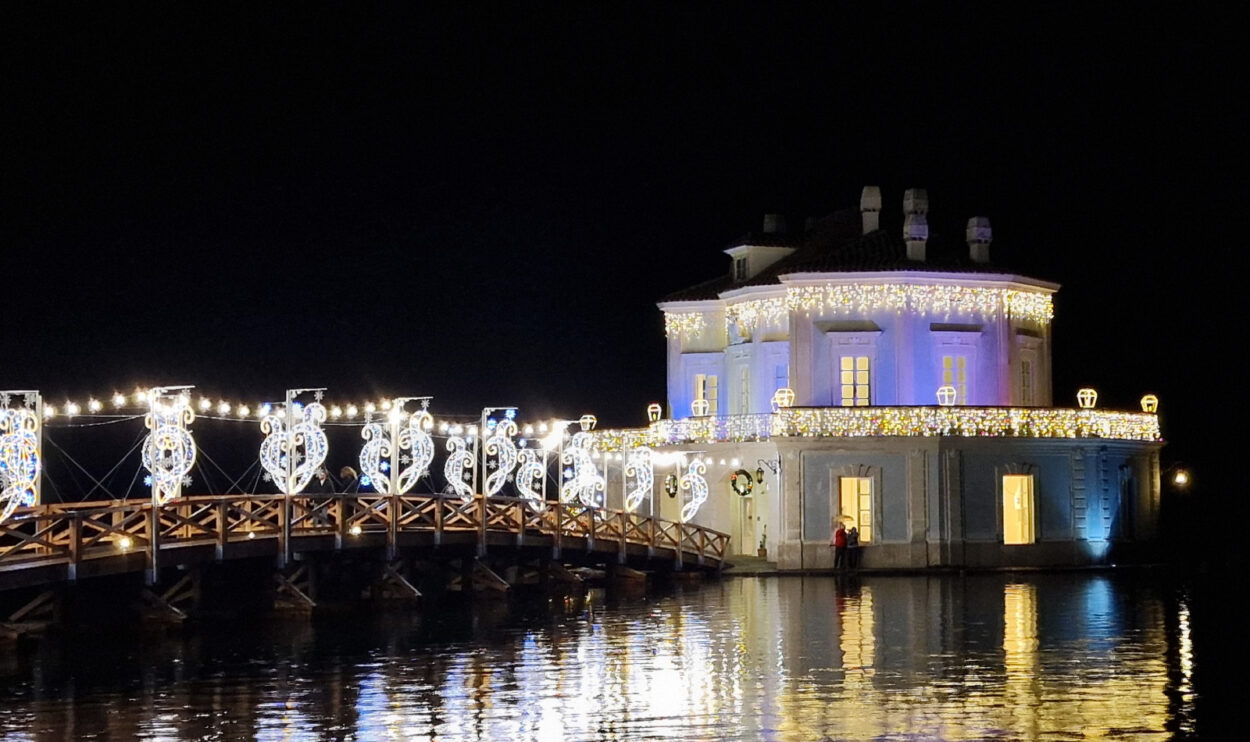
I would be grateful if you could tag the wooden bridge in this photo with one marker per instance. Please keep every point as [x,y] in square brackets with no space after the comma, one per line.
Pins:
[65,543]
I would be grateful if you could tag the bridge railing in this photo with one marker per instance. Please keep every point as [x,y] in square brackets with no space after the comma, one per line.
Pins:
[69,534]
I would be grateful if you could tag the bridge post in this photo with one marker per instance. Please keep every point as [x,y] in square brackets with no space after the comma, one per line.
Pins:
[75,547]
[558,536]
[154,543]
[340,530]
[590,535]
[481,526]
[623,517]
[284,533]
[222,526]
[392,529]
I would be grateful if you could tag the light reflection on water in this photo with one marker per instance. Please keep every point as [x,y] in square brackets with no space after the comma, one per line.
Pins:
[932,657]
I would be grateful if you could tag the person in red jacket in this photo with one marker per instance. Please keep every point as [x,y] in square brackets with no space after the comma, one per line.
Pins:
[839,544]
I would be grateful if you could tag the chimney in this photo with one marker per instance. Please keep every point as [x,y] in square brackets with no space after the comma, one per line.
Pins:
[870,208]
[979,234]
[916,224]
[774,223]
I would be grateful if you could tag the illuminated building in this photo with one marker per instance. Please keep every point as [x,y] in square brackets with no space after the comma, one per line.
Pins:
[871,375]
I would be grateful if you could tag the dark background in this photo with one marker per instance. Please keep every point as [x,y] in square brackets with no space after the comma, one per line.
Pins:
[483,204]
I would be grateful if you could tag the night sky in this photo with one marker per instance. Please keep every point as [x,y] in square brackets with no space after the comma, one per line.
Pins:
[484,204]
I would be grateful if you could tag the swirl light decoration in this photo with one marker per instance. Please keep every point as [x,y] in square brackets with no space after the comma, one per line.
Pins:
[694,481]
[19,458]
[639,467]
[282,442]
[500,446]
[585,485]
[415,437]
[459,463]
[169,450]
[530,469]
[377,448]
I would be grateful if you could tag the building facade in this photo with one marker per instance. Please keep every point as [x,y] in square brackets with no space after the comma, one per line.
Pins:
[855,371]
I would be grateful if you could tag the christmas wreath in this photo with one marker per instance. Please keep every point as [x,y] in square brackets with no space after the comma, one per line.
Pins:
[741,482]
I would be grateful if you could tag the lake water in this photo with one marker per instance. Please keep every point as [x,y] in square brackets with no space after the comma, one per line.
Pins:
[992,656]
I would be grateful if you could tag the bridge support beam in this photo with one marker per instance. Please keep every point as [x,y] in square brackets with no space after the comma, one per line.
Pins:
[394,585]
[165,606]
[33,617]
[296,590]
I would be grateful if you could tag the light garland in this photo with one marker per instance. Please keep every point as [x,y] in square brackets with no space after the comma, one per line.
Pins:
[925,299]
[19,456]
[752,313]
[683,324]
[282,442]
[639,468]
[876,422]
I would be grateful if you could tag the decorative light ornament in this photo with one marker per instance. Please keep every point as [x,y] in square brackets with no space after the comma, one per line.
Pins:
[585,485]
[500,446]
[700,407]
[946,395]
[20,460]
[654,410]
[280,453]
[169,450]
[588,422]
[783,398]
[1086,398]
[642,471]
[1150,403]
[385,441]
[694,481]
[459,464]
[529,470]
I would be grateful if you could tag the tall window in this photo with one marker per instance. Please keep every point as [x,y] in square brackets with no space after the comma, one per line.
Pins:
[744,390]
[853,374]
[1018,511]
[705,387]
[1026,382]
[955,373]
[781,376]
[855,504]
[740,269]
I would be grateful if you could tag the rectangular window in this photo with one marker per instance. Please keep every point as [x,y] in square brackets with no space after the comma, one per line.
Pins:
[955,373]
[705,387]
[781,377]
[853,379]
[1018,509]
[855,505]
[1026,382]
[740,269]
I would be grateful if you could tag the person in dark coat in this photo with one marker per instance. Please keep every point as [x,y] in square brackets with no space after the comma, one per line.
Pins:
[349,481]
[839,544]
[852,548]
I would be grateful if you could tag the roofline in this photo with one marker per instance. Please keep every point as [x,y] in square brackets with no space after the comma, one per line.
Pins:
[942,277]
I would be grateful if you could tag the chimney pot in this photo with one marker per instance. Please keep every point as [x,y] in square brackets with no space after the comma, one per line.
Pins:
[774,223]
[916,234]
[916,201]
[979,235]
[870,208]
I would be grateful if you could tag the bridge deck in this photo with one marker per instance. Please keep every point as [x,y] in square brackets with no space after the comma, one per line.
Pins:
[67,542]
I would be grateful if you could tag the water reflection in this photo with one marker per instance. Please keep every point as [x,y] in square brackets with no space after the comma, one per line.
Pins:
[776,658]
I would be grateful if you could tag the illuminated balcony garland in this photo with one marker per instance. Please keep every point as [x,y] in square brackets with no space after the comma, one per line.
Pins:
[879,422]
[683,324]
[923,299]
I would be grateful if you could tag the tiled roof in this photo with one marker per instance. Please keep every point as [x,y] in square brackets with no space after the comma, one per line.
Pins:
[834,245]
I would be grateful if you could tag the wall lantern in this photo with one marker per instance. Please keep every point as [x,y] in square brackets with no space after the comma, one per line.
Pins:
[1150,403]
[759,474]
[783,397]
[946,395]
[1180,478]
[588,422]
[700,407]
[653,411]
[1087,398]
